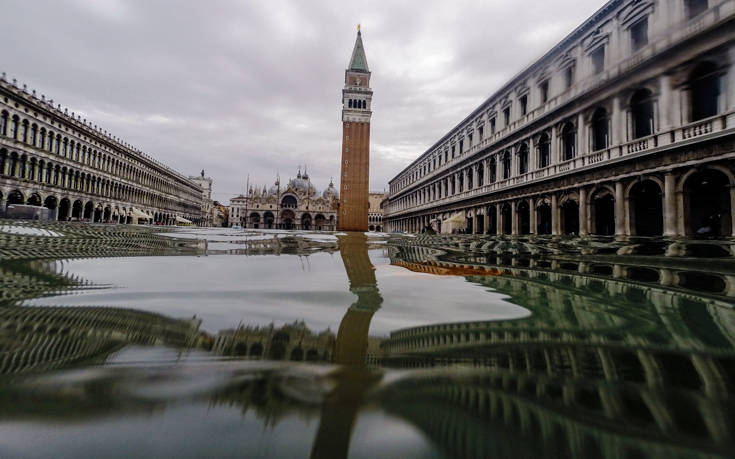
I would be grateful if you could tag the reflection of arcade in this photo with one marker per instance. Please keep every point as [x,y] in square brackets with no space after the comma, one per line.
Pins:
[43,338]
[606,366]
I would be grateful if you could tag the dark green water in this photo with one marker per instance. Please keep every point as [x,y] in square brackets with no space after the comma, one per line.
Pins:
[122,342]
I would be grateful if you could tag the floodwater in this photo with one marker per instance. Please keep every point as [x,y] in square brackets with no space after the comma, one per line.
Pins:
[125,342]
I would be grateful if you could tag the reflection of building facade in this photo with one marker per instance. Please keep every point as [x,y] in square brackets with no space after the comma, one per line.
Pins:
[205,183]
[290,342]
[219,215]
[625,127]
[375,211]
[298,205]
[54,159]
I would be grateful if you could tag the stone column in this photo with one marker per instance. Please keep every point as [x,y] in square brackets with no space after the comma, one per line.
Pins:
[532,215]
[664,105]
[513,219]
[554,214]
[619,209]
[498,218]
[670,220]
[617,124]
[553,147]
[581,136]
[582,212]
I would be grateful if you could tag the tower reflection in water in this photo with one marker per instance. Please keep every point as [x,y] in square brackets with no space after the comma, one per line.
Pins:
[612,362]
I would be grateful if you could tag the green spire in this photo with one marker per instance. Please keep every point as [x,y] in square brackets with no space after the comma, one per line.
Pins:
[358,60]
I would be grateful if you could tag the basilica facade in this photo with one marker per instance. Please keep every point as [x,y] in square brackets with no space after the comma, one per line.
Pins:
[297,205]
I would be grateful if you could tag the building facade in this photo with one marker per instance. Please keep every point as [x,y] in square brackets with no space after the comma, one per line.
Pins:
[296,206]
[207,211]
[356,113]
[625,127]
[52,158]
[375,211]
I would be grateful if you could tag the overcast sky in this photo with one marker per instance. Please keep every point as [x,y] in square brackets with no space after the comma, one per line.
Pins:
[254,87]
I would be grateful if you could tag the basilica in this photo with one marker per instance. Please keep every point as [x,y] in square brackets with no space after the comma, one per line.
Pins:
[298,205]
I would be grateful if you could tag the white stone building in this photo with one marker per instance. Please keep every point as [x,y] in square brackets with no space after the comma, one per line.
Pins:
[205,183]
[297,205]
[625,127]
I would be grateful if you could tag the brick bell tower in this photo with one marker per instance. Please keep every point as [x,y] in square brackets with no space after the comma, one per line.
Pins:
[356,112]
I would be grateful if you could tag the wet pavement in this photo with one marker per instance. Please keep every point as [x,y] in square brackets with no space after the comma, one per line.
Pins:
[120,341]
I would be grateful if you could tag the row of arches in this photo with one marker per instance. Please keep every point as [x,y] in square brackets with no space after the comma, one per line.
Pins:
[700,203]
[357,103]
[562,142]
[28,132]
[288,220]
[22,166]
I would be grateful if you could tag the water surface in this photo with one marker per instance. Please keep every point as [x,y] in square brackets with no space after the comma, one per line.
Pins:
[120,341]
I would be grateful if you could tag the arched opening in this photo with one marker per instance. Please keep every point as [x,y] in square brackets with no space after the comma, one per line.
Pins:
[278,346]
[254,220]
[600,129]
[603,213]
[646,209]
[524,217]
[98,215]
[568,141]
[468,223]
[705,95]
[312,355]
[306,222]
[15,197]
[268,220]
[570,217]
[707,203]
[320,223]
[297,354]
[507,168]
[289,202]
[523,159]
[256,350]
[479,224]
[507,217]
[50,202]
[492,213]
[88,210]
[108,215]
[287,219]
[35,200]
[641,112]
[544,150]
[493,170]
[543,219]
[76,210]
[64,207]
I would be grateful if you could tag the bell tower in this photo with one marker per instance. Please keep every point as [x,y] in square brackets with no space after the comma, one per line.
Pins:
[356,113]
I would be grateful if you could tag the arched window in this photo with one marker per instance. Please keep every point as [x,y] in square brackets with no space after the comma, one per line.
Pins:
[506,165]
[24,131]
[544,151]
[364,104]
[568,141]
[4,123]
[349,103]
[705,95]
[641,111]
[34,134]
[493,170]
[600,129]
[57,144]
[523,159]
[14,126]
[481,175]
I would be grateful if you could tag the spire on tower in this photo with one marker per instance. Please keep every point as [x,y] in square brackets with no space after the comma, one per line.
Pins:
[358,61]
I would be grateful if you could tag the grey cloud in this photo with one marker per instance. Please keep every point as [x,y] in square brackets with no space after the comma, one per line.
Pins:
[254,88]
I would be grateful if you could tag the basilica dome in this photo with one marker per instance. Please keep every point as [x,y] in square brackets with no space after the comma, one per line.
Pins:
[331,192]
[302,185]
